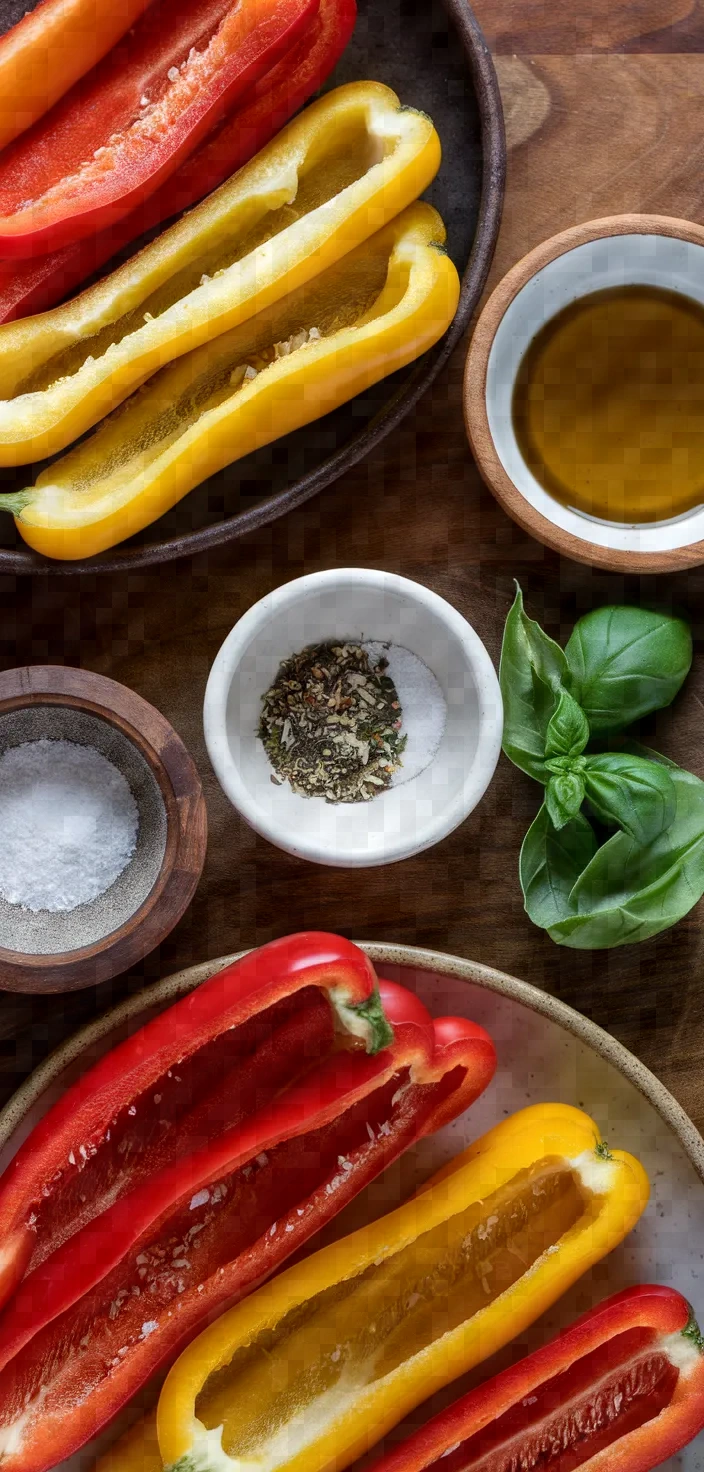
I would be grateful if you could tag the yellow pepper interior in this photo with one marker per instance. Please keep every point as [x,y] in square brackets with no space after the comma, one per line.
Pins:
[332,163]
[280,1393]
[357,289]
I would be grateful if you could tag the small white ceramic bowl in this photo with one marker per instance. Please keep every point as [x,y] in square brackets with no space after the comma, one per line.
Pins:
[623,250]
[359,604]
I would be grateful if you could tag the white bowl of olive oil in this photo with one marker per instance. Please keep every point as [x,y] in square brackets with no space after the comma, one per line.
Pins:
[335,613]
[584,393]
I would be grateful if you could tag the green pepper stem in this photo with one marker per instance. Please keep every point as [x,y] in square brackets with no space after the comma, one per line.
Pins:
[15,501]
[366,1020]
[692,1332]
[381,1031]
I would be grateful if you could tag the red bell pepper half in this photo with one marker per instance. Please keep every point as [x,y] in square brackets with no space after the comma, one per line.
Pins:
[49,49]
[124,129]
[193,1159]
[39,282]
[619,1391]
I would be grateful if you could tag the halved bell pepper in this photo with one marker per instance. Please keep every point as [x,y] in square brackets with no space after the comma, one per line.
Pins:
[39,1204]
[193,1159]
[333,177]
[127,126]
[620,1391]
[49,49]
[314,1368]
[373,312]
[38,282]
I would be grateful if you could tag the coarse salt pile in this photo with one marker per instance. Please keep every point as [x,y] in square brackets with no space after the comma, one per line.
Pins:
[68,822]
[423,708]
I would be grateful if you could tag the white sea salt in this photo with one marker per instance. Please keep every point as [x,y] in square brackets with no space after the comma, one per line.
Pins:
[422,704]
[68,822]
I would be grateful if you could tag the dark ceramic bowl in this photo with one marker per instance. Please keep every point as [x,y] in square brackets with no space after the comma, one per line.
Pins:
[433,54]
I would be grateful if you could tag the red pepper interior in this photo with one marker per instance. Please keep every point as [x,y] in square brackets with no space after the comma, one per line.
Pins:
[568,1419]
[123,129]
[38,282]
[266,108]
[206,1252]
[108,100]
[227,1080]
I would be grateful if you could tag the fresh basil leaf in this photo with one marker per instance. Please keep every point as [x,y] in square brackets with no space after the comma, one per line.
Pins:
[531,675]
[636,748]
[637,795]
[550,865]
[564,796]
[626,662]
[629,892]
[568,729]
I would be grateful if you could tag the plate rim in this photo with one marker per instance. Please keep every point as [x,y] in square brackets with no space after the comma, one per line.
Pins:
[179,983]
[479,61]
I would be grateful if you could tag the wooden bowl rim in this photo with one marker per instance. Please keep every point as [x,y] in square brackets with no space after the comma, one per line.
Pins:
[186,819]
[579,549]
[493,173]
[169,989]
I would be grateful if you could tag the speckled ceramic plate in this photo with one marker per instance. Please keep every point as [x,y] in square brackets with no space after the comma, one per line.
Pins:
[546,1052]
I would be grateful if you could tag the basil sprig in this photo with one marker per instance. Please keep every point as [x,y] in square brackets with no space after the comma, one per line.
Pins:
[619,665]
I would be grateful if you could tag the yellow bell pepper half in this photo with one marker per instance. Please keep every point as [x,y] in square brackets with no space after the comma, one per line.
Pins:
[317,1365]
[334,176]
[367,315]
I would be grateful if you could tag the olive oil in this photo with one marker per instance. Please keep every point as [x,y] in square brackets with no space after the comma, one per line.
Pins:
[608,406]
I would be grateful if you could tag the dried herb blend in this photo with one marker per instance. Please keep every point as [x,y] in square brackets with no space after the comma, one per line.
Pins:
[331,723]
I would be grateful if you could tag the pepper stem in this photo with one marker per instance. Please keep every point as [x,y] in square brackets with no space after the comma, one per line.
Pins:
[692,1332]
[15,501]
[381,1031]
[602,1150]
[365,1019]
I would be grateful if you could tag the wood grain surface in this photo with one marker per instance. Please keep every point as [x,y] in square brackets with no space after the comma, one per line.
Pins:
[603,103]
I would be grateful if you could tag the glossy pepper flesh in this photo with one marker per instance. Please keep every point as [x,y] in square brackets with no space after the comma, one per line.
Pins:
[49,49]
[351,162]
[374,312]
[127,126]
[316,1367]
[193,1159]
[36,283]
[621,1390]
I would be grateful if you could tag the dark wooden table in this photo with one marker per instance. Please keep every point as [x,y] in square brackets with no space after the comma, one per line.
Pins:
[603,108]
